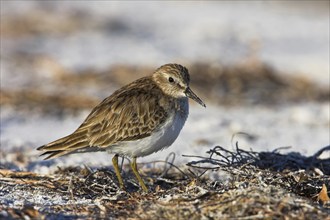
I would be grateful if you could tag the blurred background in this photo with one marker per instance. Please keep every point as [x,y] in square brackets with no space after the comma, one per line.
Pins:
[262,67]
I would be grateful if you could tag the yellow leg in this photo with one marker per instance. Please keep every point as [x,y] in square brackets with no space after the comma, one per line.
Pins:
[136,173]
[117,171]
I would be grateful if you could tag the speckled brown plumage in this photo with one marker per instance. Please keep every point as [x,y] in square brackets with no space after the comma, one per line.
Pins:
[111,122]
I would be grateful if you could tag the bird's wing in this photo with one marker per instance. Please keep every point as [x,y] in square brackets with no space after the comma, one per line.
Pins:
[132,112]
[124,116]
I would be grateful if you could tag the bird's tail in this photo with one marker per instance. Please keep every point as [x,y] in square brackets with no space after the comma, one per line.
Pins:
[75,142]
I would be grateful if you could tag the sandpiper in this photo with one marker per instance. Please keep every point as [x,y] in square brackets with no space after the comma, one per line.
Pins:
[139,119]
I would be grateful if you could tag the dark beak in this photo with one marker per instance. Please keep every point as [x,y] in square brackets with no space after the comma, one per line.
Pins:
[190,94]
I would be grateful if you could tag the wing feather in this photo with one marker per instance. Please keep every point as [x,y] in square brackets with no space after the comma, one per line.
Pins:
[129,114]
[132,112]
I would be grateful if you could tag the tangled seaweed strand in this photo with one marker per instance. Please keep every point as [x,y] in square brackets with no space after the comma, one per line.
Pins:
[221,158]
[294,172]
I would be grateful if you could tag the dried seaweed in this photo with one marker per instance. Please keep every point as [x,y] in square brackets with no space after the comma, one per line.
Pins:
[226,184]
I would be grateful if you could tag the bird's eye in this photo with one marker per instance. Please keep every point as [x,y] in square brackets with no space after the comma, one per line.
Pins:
[170,79]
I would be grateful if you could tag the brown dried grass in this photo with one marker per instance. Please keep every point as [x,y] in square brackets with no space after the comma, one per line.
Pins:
[275,186]
[223,85]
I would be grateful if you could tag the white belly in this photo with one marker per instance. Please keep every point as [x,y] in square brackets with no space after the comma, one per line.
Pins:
[162,138]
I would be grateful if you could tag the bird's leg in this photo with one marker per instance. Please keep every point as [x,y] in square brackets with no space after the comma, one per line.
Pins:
[117,171]
[136,173]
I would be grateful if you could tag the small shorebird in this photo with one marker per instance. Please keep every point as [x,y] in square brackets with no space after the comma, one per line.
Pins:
[139,119]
